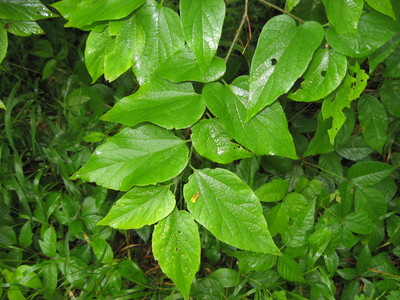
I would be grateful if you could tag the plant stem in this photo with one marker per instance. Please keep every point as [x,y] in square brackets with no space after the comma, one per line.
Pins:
[282,10]
[238,31]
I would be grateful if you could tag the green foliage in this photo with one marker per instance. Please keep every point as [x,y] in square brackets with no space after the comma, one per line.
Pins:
[254,156]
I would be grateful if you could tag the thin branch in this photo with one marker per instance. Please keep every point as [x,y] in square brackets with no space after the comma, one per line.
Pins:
[238,31]
[282,10]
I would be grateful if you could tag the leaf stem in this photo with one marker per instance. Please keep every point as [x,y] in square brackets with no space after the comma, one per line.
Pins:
[238,31]
[282,10]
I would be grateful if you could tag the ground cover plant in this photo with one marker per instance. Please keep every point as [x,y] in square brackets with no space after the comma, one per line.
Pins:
[200,149]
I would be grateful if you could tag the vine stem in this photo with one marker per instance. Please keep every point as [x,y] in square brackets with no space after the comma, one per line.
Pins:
[238,31]
[281,10]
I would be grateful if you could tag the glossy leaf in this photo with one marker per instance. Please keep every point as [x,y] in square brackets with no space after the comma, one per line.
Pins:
[252,261]
[49,242]
[182,66]
[140,207]
[276,66]
[390,96]
[393,64]
[321,140]
[97,46]
[265,134]
[351,89]
[371,201]
[327,69]
[3,43]
[278,218]
[160,102]
[202,27]
[383,6]
[26,235]
[356,149]
[344,14]
[24,10]
[383,52]
[176,246]
[374,30]
[141,156]
[212,141]
[127,43]
[226,277]
[374,121]
[228,208]
[369,173]
[163,37]
[85,12]
[290,4]
[102,250]
[272,191]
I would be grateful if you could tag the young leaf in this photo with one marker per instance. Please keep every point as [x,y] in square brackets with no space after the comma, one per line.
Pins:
[140,207]
[176,246]
[344,15]
[276,66]
[85,12]
[160,102]
[265,134]
[383,6]
[212,141]
[228,208]
[272,191]
[350,90]
[141,156]
[183,66]
[127,43]
[374,121]
[202,26]
[163,37]
[49,242]
[24,10]
[369,173]
[327,69]
[290,4]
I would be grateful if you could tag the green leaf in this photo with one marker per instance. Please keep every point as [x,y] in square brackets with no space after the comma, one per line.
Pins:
[251,261]
[359,222]
[290,4]
[28,10]
[49,68]
[272,191]
[140,207]
[97,46]
[289,269]
[390,96]
[176,246]
[102,250]
[141,156]
[85,12]
[7,236]
[50,278]
[163,38]
[202,27]
[228,208]
[182,66]
[270,74]
[393,64]
[374,30]
[160,102]
[350,90]
[356,149]
[371,201]
[344,15]
[278,218]
[327,69]
[212,141]
[265,134]
[25,275]
[3,43]
[296,234]
[383,6]
[369,173]
[21,28]
[49,242]
[321,140]
[383,52]
[131,271]
[374,121]
[226,277]
[126,44]
[25,235]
